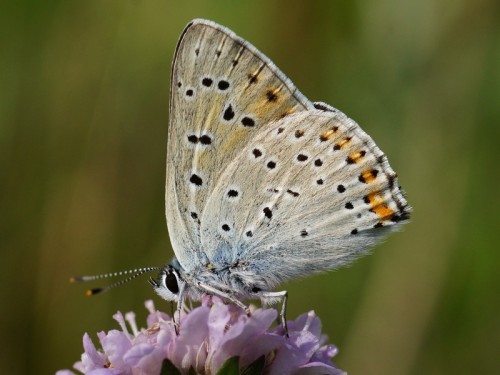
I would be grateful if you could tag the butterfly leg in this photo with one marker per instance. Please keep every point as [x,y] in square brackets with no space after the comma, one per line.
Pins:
[281,295]
[225,295]
[180,304]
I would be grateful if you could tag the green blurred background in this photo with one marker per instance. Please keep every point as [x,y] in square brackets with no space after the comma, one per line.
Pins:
[83,124]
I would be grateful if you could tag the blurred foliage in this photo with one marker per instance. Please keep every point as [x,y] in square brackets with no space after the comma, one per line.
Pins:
[83,124]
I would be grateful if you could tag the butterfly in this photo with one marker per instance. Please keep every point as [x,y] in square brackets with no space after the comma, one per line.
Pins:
[263,186]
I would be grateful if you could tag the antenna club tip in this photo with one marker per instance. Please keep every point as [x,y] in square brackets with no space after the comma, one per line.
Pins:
[92,292]
[73,279]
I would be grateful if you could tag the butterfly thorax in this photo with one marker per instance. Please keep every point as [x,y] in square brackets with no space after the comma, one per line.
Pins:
[237,279]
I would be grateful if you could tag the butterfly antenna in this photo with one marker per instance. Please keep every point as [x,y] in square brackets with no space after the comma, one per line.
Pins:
[133,274]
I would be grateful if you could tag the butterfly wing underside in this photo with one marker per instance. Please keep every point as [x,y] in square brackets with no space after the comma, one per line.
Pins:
[310,193]
[222,93]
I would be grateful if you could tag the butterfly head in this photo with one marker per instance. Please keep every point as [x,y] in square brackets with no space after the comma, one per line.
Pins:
[168,284]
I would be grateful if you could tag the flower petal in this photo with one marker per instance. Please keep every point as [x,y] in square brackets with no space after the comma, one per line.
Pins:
[105,371]
[134,355]
[239,336]
[116,344]
[193,332]
[316,368]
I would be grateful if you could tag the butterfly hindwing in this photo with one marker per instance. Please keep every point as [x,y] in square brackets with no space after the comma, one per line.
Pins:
[311,192]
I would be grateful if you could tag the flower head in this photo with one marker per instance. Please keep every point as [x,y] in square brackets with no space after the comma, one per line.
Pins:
[213,338]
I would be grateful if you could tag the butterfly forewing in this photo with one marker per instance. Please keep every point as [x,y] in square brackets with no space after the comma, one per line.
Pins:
[223,93]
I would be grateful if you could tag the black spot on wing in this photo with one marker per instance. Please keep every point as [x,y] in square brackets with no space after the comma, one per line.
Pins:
[228,114]
[205,140]
[268,212]
[271,165]
[271,96]
[207,82]
[247,121]
[196,180]
[257,153]
[223,85]
[232,193]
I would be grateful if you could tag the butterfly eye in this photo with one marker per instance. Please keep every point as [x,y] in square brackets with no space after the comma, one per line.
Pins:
[171,283]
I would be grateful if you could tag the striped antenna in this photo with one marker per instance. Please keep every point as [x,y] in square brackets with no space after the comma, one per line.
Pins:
[133,274]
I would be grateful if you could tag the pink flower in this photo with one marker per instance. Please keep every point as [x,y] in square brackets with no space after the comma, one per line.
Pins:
[214,338]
